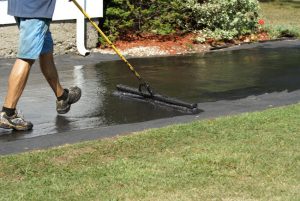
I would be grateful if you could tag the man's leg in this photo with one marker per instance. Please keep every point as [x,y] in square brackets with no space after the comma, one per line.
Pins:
[49,71]
[65,97]
[31,40]
[17,82]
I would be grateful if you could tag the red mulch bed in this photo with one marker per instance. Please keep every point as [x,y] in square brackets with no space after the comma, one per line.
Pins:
[175,44]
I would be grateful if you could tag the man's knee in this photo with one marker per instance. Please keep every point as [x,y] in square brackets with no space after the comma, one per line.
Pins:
[30,62]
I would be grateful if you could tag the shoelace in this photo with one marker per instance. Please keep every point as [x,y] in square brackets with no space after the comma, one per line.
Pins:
[19,114]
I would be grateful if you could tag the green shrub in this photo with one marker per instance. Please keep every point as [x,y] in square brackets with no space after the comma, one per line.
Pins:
[139,16]
[224,18]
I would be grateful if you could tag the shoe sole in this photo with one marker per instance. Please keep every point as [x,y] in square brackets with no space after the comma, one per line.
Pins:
[66,110]
[17,128]
[77,99]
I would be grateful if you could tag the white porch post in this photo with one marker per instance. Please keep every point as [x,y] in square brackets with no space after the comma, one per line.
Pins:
[81,33]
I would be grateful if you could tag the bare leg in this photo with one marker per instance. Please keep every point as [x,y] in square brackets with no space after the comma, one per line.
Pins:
[49,70]
[17,81]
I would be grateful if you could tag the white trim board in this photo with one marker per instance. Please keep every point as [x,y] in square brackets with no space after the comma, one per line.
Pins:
[64,10]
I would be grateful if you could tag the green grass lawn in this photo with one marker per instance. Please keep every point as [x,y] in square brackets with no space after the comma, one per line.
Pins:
[253,156]
[282,17]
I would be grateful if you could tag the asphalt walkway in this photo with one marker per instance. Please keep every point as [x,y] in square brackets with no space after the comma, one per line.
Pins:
[15,142]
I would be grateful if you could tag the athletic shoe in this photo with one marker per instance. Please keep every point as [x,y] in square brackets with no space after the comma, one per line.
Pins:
[64,106]
[16,122]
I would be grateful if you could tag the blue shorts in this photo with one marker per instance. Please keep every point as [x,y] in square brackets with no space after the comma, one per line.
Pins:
[35,38]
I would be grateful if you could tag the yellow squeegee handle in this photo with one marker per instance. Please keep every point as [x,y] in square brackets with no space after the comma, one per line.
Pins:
[109,42]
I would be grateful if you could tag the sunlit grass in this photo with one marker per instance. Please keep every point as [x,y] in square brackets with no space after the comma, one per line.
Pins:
[282,18]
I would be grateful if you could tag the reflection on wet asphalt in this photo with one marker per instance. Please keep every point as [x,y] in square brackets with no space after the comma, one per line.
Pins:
[194,78]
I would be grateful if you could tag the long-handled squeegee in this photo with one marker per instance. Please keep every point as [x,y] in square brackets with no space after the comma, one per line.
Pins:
[144,91]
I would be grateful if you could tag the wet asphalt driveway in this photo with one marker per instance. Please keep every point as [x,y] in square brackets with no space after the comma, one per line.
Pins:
[240,79]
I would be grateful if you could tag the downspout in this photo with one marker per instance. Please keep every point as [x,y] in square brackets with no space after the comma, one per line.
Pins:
[81,33]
